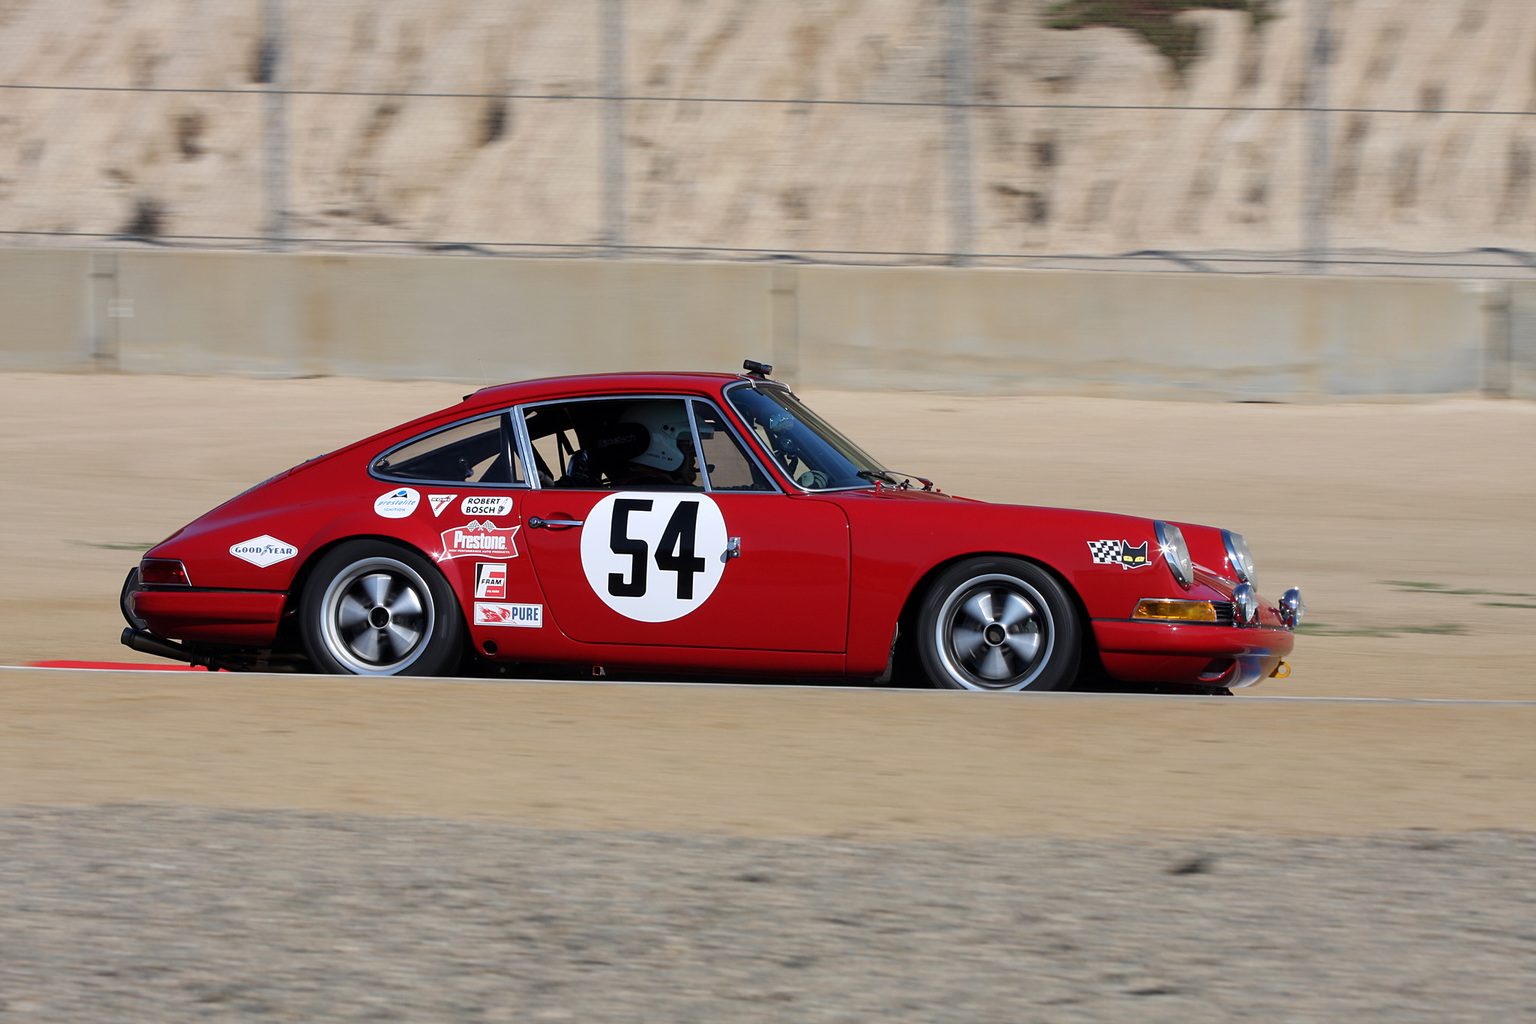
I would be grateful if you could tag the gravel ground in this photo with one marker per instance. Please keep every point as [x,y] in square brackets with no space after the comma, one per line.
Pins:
[164,914]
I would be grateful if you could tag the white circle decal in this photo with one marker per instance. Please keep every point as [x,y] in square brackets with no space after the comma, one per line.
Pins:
[397,504]
[653,556]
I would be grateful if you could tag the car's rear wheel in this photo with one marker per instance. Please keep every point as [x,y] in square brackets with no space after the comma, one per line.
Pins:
[998,624]
[372,608]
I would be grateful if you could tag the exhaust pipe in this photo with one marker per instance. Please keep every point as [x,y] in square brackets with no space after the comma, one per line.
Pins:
[147,643]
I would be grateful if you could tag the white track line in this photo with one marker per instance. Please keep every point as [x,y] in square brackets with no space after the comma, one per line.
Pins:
[918,692]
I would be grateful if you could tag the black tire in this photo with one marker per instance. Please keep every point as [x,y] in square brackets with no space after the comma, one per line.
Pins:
[997,623]
[372,608]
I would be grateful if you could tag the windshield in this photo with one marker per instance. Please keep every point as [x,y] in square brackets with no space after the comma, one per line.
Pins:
[814,455]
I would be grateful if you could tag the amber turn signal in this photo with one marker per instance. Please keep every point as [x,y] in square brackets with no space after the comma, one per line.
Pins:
[1176,611]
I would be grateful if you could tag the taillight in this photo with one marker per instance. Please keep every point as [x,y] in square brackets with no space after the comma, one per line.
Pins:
[163,572]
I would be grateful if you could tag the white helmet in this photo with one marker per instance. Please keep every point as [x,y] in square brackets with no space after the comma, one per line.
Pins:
[668,423]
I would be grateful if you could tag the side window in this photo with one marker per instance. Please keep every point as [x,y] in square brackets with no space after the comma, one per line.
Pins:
[612,443]
[729,467]
[477,452]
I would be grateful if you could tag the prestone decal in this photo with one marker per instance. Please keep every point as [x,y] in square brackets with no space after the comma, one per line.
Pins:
[1119,552]
[486,505]
[653,556]
[495,613]
[263,551]
[479,539]
[490,581]
[398,503]
[439,502]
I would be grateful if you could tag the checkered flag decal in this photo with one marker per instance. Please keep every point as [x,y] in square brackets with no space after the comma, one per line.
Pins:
[1105,552]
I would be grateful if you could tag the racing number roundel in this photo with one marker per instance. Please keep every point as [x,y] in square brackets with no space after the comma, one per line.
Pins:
[653,556]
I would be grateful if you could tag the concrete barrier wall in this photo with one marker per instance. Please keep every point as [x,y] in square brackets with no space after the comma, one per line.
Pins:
[1146,334]
[45,310]
[478,319]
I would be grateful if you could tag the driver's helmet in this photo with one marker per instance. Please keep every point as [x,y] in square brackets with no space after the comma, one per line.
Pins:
[667,422]
[781,427]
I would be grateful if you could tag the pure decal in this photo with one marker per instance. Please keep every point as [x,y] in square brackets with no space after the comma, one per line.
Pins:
[439,502]
[498,613]
[263,550]
[486,505]
[479,538]
[490,581]
[653,556]
[1119,552]
[398,503]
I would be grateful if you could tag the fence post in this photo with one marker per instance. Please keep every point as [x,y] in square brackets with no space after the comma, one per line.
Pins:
[1498,338]
[274,123]
[784,323]
[958,100]
[106,310]
[1318,54]
[613,126]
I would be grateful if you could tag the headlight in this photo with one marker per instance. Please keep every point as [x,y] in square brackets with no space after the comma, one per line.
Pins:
[1170,540]
[1238,555]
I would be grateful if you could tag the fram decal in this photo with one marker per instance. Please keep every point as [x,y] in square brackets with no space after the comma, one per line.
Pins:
[490,581]
[486,505]
[496,613]
[1119,552]
[398,503]
[479,539]
[263,550]
[439,502]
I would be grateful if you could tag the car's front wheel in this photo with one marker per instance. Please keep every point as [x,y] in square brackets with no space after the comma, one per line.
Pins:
[371,608]
[998,624]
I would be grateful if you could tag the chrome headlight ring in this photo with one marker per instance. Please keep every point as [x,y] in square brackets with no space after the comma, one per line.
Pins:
[1238,555]
[1170,541]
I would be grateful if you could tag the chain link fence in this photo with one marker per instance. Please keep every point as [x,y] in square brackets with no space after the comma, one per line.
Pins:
[905,132]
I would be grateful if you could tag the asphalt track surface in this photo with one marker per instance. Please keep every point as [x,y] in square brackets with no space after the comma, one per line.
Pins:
[766,760]
[1353,842]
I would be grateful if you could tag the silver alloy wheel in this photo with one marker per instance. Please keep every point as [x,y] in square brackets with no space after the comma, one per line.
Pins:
[994,632]
[377,616]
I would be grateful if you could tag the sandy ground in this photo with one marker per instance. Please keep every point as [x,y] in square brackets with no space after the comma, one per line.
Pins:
[1407,525]
[201,915]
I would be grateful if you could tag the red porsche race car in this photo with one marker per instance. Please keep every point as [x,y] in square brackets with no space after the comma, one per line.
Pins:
[688,524]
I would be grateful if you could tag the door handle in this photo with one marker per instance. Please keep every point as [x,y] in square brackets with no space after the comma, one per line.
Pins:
[553,524]
[732,548]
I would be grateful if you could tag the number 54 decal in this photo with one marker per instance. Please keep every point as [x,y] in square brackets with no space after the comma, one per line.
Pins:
[653,556]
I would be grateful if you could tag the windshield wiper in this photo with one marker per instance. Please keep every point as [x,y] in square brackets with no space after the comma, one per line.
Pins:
[889,476]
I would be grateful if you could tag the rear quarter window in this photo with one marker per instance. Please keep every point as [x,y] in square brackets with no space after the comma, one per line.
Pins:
[477,451]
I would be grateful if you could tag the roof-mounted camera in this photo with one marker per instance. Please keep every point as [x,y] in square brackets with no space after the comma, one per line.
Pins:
[757,369]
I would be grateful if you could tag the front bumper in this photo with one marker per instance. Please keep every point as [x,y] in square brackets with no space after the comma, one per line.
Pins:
[1189,653]
[246,618]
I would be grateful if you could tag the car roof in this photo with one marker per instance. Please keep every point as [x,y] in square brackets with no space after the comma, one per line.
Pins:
[596,384]
[499,396]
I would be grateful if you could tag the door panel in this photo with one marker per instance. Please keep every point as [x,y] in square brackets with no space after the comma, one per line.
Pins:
[651,567]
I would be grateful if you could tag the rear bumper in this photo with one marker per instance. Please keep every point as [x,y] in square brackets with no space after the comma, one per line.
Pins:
[1166,652]
[246,618]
